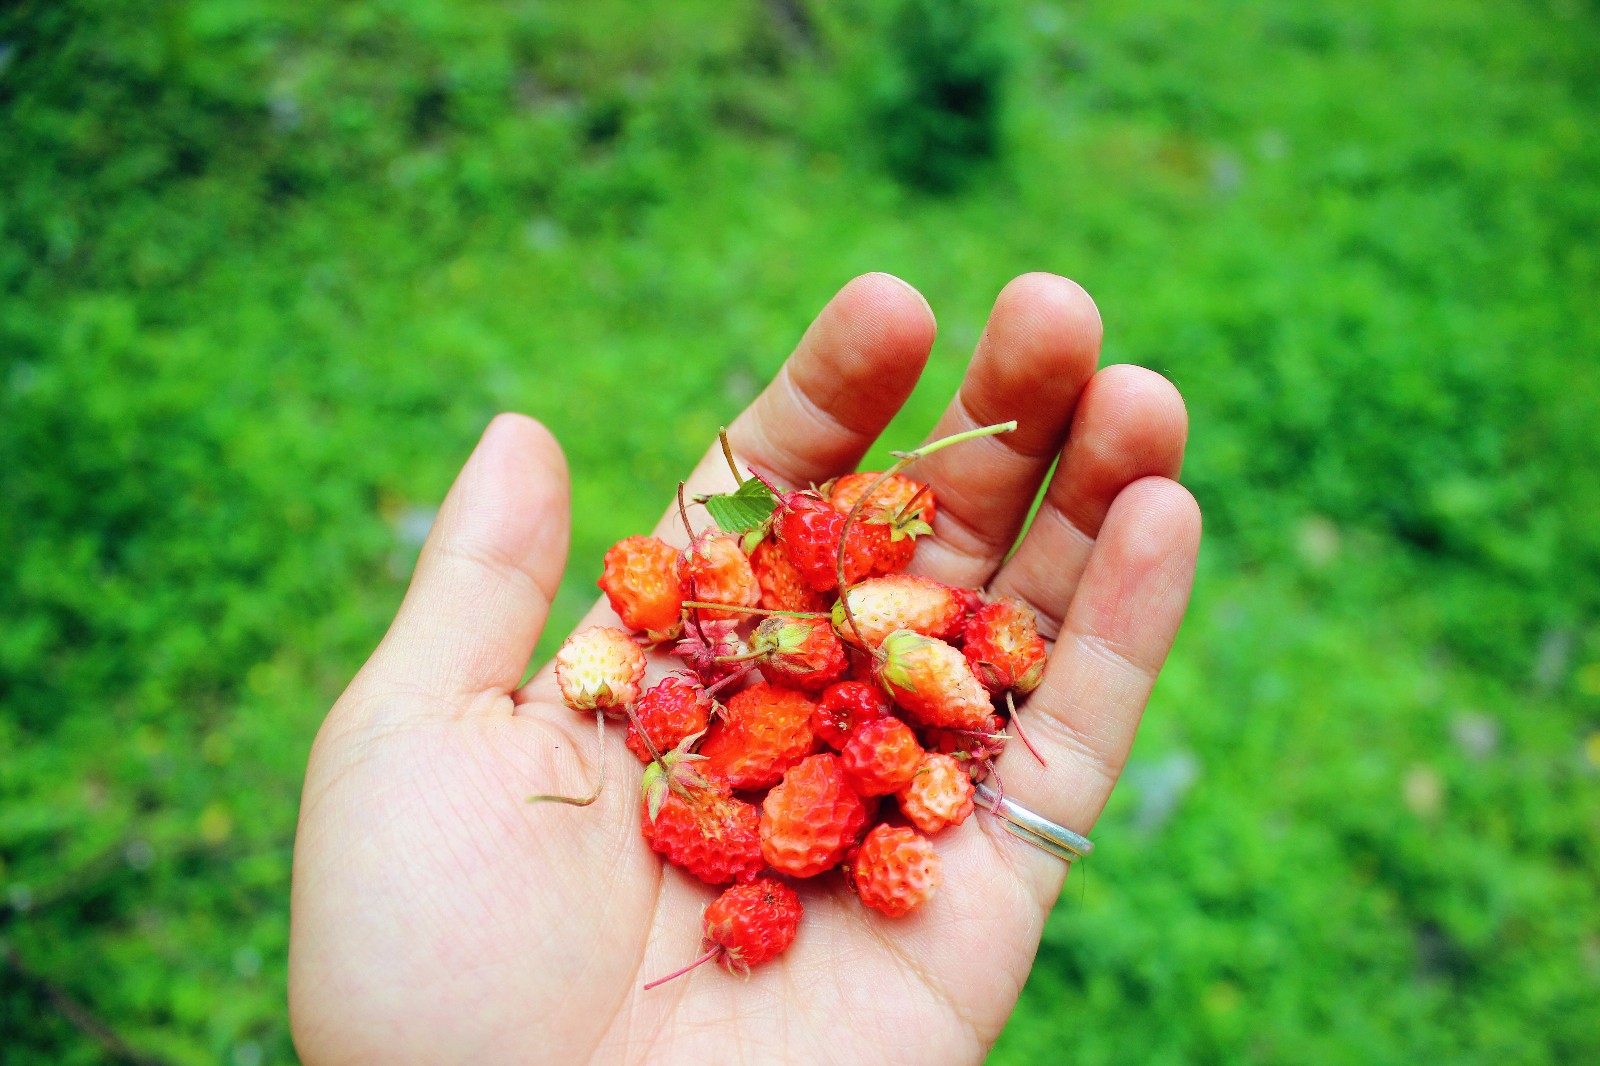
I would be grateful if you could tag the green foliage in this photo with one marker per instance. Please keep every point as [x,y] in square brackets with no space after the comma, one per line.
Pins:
[267,268]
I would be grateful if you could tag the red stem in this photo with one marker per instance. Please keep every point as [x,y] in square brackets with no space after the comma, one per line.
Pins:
[707,957]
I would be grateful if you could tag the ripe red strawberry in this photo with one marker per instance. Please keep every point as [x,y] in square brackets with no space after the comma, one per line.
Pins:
[810,531]
[844,708]
[811,818]
[881,757]
[933,681]
[746,926]
[714,569]
[599,669]
[763,731]
[697,824]
[899,511]
[1004,647]
[940,794]
[673,709]
[782,587]
[881,605]
[802,653]
[641,581]
[896,870]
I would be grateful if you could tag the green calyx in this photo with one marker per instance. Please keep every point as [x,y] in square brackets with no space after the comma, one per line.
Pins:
[673,772]
[898,648]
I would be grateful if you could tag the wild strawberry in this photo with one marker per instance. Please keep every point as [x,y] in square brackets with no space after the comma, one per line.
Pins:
[932,681]
[811,818]
[599,669]
[844,708]
[782,587]
[802,653]
[899,511]
[881,605]
[1004,647]
[641,581]
[881,757]
[706,648]
[939,794]
[675,708]
[714,569]
[809,532]
[896,870]
[762,732]
[697,824]
[746,926]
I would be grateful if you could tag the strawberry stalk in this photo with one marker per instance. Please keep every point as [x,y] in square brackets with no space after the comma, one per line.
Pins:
[600,784]
[1017,725]
[902,460]
[727,453]
[698,605]
[680,971]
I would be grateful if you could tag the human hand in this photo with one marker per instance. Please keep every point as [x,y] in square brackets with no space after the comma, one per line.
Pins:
[437,917]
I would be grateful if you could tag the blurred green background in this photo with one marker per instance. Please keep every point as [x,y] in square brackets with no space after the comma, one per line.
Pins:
[267,268]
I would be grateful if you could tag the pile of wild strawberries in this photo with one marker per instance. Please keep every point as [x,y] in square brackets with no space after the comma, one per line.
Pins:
[799,709]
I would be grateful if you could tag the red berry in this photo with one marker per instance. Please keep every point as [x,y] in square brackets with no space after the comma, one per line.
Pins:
[782,587]
[747,925]
[899,511]
[881,605]
[896,870]
[811,818]
[714,569]
[674,709]
[641,581]
[762,732]
[939,794]
[844,708]
[881,757]
[933,681]
[802,653]
[1004,647]
[699,826]
[810,531]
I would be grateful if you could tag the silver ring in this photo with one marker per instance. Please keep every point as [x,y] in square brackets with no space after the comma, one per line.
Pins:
[1042,833]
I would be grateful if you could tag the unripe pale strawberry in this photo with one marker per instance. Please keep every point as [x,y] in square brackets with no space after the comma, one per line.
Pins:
[932,681]
[599,669]
[881,605]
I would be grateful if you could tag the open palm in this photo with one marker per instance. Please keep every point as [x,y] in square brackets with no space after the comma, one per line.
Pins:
[439,918]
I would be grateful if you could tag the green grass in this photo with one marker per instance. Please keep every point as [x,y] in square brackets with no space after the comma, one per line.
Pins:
[266,269]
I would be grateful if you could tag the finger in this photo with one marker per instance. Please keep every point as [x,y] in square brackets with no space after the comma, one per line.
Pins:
[1036,354]
[1115,637]
[1130,424]
[846,379]
[486,576]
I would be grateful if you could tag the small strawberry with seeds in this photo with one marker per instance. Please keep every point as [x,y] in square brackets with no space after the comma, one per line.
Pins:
[881,605]
[939,794]
[641,582]
[715,569]
[900,511]
[802,653]
[762,732]
[746,926]
[599,669]
[932,681]
[810,531]
[896,870]
[811,818]
[881,757]
[696,823]
[1003,645]
[782,586]
[844,708]
[674,708]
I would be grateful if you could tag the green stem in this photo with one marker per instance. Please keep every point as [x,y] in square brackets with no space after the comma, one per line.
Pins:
[751,610]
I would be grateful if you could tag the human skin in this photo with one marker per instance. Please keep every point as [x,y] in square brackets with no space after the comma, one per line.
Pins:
[437,917]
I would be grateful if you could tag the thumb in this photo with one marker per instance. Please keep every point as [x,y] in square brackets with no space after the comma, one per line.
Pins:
[486,575]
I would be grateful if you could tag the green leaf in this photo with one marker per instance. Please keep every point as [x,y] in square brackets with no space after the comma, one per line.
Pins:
[742,510]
